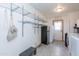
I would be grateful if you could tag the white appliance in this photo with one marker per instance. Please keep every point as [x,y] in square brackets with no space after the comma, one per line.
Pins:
[74,44]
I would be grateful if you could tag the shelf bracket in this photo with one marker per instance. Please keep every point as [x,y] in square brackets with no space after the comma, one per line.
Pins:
[27,14]
[15,9]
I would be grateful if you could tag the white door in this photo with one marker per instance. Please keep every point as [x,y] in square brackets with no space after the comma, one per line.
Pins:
[58,30]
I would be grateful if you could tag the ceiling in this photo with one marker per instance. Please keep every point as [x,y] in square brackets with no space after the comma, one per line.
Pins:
[48,9]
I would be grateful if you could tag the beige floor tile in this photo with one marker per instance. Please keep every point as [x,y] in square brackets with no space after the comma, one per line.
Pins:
[57,48]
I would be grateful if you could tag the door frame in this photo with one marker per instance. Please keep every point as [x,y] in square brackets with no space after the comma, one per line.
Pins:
[62,27]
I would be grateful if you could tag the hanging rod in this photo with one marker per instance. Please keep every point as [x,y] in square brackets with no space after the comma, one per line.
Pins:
[41,20]
[24,22]
[36,18]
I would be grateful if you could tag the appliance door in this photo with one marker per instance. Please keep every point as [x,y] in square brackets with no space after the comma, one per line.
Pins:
[44,35]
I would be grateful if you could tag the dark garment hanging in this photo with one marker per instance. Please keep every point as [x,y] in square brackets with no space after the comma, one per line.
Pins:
[66,40]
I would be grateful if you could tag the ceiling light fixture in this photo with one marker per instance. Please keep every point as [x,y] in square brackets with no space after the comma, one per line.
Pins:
[59,9]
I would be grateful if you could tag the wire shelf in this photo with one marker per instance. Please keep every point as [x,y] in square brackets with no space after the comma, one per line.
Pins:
[18,9]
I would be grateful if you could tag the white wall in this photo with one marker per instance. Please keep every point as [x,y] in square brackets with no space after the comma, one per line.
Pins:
[19,44]
[50,30]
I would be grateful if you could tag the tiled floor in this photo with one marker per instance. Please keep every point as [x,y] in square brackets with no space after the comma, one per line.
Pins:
[57,48]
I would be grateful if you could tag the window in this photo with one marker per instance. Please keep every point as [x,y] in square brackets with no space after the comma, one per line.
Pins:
[58,25]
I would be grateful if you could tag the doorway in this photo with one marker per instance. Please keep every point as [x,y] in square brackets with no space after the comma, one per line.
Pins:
[58,30]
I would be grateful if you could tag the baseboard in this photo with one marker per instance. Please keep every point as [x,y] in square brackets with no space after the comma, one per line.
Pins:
[38,45]
[59,40]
